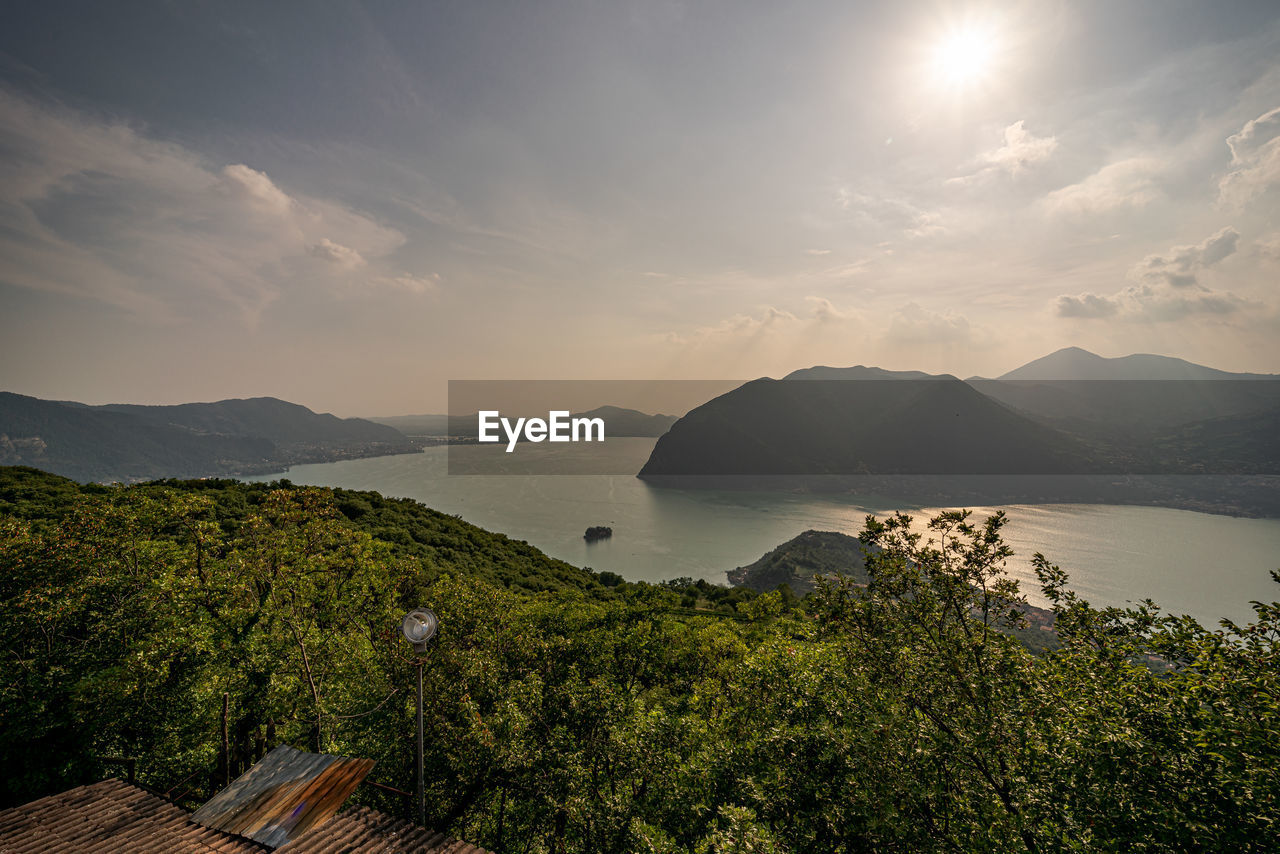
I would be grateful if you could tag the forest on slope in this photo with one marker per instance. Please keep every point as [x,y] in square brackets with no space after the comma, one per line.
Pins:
[573,711]
[129,443]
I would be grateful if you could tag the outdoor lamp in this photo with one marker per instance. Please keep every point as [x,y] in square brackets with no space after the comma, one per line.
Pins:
[418,627]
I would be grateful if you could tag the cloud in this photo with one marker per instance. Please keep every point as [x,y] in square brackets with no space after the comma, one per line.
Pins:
[255,188]
[1269,247]
[410,283]
[915,324]
[735,328]
[1162,306]
[1255,159]
[881,212]
[337,254]
[1149,304]
[1178,269]
[1020,150]
[98,210]
[771,321]
[1126,183]
[1086,305]
[922,338]
[1167,287]
[1219,246]
[771,340]
[817,251]
[927,224]
[825,312]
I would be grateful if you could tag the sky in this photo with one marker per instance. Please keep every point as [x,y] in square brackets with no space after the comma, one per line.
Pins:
[347,205]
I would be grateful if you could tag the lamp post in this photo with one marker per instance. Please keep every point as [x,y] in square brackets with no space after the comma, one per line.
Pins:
[418,627]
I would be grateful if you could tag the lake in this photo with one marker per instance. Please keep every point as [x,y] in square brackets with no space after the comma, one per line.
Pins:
[1205,565]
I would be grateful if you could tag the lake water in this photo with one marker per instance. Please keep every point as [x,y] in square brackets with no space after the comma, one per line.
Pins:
[1195,563]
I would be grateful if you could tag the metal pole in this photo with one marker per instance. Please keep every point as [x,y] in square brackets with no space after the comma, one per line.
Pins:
[225,759]
[422,795]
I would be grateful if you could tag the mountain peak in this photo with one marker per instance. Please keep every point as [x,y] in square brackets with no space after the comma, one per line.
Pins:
[860,372]
[1074,363]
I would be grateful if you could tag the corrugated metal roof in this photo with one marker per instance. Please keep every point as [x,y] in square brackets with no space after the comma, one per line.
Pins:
[360,830]
[285,794]
[113,817]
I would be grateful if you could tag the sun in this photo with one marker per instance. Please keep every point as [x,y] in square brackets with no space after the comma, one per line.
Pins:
[965,56]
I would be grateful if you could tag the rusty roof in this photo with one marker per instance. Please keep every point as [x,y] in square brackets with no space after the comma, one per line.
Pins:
[284,794]
[360,830]
[113,816]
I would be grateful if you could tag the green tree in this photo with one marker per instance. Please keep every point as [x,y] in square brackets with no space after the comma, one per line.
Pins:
[890,711]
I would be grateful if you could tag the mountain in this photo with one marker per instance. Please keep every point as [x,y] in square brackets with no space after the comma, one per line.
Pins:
[1073,363]
[1153,409]
[629,422]
[618,421]
[857,372]
[418,425]
[87,444]
[937,441]
[801,560]
[1132,407]
[934,425]
[129,443]
[286,424]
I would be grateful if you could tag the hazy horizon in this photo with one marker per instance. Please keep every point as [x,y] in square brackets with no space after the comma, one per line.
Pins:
[347,206]
[652,397]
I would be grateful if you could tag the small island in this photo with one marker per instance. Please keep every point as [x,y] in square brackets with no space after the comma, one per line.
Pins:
[597,532]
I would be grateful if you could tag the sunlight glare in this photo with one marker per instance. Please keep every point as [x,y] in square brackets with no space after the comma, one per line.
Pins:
[965,56]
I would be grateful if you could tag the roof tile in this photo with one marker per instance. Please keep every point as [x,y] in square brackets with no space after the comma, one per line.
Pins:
[114,816]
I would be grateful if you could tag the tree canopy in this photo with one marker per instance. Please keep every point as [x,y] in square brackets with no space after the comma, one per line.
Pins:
[572,711]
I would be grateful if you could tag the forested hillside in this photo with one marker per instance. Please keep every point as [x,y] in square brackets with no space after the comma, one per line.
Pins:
[127,443]
[572,711]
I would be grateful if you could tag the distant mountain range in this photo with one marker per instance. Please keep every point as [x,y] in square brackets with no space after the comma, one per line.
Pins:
[424,425]
[1073,363]
[1155,412]
[1070,413]
[618,422]
[933,425]
[122,442]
